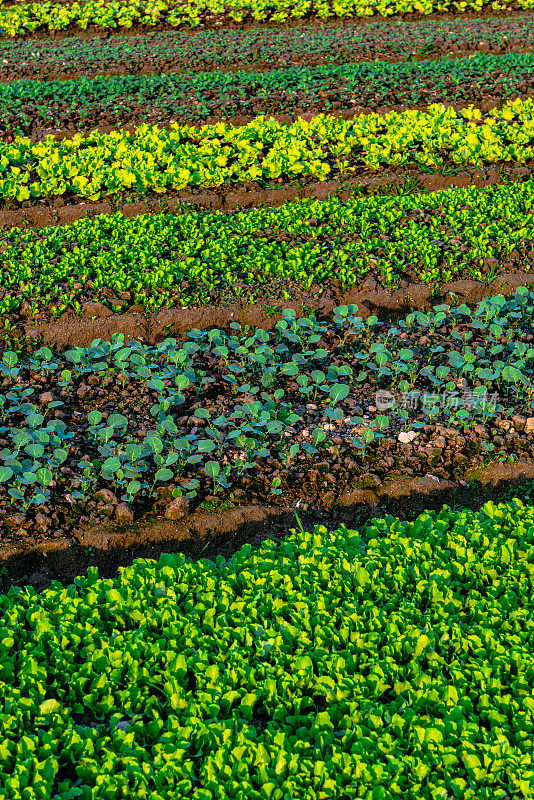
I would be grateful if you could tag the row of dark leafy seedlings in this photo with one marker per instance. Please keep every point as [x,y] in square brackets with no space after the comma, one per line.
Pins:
[484,350]
[27,105]
[335,43]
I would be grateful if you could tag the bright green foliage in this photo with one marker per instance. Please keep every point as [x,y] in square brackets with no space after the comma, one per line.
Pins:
[441,235]
[24,16]
[396,661]
[155,160]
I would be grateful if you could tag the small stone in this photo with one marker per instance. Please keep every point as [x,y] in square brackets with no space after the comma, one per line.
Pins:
[15,521]
[519,422]
[106,496]
[177,508]
[123,724]
[529,425]
[370,481]
[370,283]
[123,513]
[328,499]
[41,521]
[407,436]
[46,397]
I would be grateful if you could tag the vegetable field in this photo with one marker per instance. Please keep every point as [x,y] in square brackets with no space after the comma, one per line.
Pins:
[266,400]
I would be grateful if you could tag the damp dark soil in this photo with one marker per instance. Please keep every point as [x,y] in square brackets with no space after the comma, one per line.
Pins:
[223,531]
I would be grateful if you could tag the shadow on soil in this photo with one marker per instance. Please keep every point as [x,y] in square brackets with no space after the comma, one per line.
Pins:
[211,534]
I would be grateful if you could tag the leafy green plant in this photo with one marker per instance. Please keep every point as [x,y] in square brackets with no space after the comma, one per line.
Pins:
[295,601]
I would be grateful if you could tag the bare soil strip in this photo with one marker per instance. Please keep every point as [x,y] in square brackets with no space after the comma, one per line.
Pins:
[207,534]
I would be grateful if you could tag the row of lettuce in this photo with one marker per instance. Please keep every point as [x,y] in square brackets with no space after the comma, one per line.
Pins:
[216,48]
[25,17]
[391,661]
[27,104]
[152,262]
[159,160]
[478,364]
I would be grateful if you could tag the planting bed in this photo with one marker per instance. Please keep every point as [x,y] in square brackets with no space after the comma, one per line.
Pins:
[392,660]
[263,48]
[276,267]
[82,104]
[290,415]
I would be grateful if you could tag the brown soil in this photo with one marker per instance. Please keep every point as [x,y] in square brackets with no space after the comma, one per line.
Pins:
[206,534]
[386,304]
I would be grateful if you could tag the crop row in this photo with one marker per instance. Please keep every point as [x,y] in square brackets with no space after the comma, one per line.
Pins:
[335,43]
[194,96]
[394,660]
[157,261]
[156,160]
[26,17]
[485,353]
